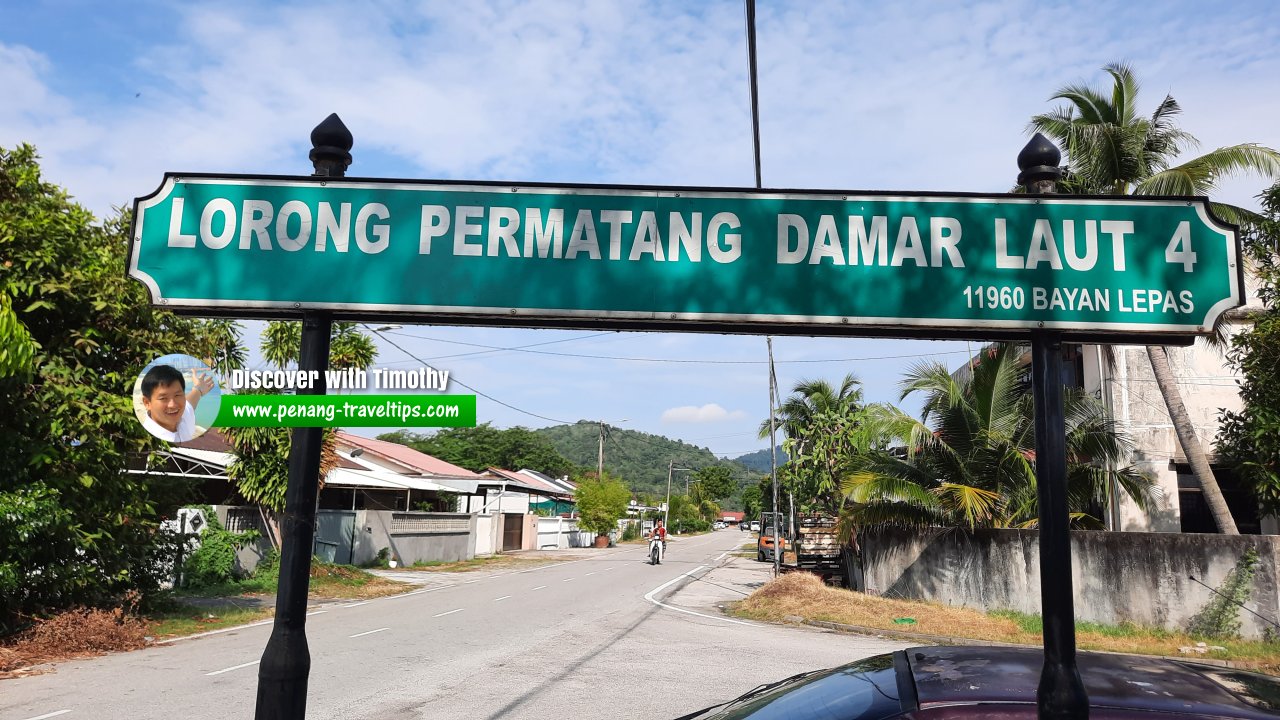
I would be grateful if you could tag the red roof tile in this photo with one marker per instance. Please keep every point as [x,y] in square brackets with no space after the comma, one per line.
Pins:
[403,454]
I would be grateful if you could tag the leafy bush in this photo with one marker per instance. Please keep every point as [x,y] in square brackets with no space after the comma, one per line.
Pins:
[214,562]
[76,529]
[692,526]
[601,502]
[632,531]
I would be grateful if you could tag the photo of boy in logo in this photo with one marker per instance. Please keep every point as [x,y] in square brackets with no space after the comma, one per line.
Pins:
[168,407]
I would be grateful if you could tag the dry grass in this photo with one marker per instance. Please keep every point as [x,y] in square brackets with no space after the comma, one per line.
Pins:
[72,634]
[346,582]
[804,595]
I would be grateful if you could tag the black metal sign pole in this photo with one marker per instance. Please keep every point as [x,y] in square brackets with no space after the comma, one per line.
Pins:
[1061,693]
[286,662]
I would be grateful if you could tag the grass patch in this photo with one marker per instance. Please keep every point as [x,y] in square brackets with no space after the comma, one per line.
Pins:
[327,581]
[804,595]
[183,619]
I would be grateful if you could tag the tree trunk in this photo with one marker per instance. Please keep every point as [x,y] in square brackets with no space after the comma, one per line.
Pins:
[1190,443]
[272,525]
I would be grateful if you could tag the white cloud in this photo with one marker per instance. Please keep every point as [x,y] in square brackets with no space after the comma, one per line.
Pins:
[709,413]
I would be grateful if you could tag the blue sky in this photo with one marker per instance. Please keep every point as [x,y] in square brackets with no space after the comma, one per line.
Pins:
[860,96]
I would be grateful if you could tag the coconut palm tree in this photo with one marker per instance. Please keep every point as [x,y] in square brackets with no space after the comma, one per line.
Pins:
[1113,149]
[970,458]
[823,427]
[810,404]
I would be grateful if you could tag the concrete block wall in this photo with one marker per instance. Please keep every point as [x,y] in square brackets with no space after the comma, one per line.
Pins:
[1144,578]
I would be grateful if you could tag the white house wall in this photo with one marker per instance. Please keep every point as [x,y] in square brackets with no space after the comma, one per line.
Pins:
[1207,385]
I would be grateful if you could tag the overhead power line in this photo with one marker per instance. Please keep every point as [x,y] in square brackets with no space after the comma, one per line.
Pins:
[525,349]
[481,394]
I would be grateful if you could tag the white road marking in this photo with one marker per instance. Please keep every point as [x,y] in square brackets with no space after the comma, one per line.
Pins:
[504,597]
[566,580]
[368,632]
[538,588]
[317,612]
[233,667]
[55,713]
[448,613]
[470,581]
[613,567]
[366,602]
[649,596]
[544,567]
[589,574]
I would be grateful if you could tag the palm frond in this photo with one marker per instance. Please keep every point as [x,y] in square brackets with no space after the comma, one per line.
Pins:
[869,487]
[1200,175]
[900,515]
[1124,92]
[1235,214]
[975,505]
[1092,106]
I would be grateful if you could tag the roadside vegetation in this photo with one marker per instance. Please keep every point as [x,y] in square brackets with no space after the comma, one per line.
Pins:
[804,596]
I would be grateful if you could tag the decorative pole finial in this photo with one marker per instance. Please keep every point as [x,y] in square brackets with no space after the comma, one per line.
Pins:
[1038,162]
[331,143]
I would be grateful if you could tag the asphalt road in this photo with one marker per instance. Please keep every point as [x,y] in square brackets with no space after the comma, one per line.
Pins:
[607,634]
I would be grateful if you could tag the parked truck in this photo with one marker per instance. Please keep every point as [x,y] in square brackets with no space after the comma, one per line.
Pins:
[764,543]
[817,546]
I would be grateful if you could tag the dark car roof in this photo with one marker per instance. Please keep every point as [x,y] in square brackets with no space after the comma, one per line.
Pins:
[947,675]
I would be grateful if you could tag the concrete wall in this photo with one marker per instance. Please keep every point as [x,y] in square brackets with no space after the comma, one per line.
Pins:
[238,519]
[529,533]
[485,536]
[556,533]
[415,536]
[409,537]
[1138,577]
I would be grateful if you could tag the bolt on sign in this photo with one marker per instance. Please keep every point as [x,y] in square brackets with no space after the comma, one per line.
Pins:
[660,258]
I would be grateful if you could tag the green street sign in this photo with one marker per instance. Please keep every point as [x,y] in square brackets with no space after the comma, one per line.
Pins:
[661,258]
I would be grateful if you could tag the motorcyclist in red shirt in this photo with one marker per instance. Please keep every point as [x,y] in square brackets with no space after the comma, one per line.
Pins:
[659,534]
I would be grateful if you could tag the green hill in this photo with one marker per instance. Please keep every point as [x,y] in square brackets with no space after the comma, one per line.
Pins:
[639,458]
[759,461]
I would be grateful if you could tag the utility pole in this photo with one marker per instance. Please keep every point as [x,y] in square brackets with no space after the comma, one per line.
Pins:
[671,469]
[600,457]
[666,513]
[773,459]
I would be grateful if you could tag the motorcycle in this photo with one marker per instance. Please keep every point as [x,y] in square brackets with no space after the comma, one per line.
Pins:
[656,548]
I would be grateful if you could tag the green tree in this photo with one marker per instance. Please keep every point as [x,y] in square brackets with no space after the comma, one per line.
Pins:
[716,481]
[970,459]
[752,496]
[1112,148]
[601,502]
[76,527]
[484,446]
[1250,437]
[819,422]
[261,469]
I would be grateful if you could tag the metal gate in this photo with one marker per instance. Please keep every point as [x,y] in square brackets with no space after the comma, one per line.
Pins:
[512,527]
[334,530]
